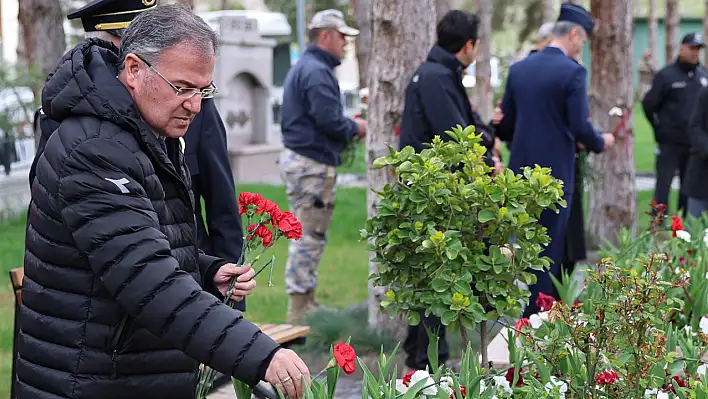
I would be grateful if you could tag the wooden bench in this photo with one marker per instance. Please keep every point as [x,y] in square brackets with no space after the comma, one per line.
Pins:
[284,334]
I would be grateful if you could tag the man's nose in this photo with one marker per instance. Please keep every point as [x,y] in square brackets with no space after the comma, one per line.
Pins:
[194,104]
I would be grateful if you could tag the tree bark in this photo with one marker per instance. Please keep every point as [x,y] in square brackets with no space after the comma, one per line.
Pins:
[403,31]
[362,16]
[549,11]
[441,8]
[672,21]
[42,33]
[653,33]
[483,89]
[612,199]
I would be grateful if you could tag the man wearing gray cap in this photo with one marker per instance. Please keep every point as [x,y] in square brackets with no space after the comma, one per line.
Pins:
[315,132]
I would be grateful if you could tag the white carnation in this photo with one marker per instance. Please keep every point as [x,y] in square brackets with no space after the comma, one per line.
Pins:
[684,235]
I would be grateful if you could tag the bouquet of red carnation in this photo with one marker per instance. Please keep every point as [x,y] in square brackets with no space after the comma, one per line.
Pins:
[266,224]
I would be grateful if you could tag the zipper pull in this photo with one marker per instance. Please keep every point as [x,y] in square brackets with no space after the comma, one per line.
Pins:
[115,363]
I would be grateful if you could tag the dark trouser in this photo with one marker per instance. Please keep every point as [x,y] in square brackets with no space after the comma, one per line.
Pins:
[416,343]
[670,159]
[697,207]
[556,225]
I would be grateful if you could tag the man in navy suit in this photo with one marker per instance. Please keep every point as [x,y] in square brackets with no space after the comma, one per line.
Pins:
[548,117]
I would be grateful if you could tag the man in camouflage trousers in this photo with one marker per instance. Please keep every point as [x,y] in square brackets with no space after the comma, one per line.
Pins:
[315,132]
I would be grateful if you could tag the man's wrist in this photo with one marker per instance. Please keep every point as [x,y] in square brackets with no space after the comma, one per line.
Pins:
[209,284]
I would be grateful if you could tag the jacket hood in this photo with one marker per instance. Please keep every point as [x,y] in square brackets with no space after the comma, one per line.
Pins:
[85,83]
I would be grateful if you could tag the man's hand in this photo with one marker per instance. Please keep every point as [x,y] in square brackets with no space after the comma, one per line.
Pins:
[285,371]
[498,114]
[609,140]
[361,127]
[497,147]
[498,166]
[244,283]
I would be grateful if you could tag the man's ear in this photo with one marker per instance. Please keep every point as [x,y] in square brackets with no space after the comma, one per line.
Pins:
[132,70]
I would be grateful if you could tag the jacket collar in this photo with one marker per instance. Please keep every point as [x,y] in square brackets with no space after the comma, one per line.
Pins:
[323,56]
[685,66]
[443,57]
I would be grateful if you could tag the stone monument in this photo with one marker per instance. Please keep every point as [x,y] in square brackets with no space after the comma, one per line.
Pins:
[243,76]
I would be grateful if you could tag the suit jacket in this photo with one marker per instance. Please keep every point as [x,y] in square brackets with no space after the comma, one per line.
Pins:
[547,115]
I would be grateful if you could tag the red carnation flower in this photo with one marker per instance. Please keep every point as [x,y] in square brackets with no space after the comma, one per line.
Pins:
[407,378]
[669,386]
[261,232]
[545,302]
[270,207]
[290,226]
[510,377]
[463,392]
[245,199]
[346,357]
[521,324]
[608,377]
[676,224]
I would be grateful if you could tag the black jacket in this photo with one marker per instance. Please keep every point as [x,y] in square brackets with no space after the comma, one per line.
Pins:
[207,158]
[669,102]
[313,122]
[696,184]
[114,302]
[436,101]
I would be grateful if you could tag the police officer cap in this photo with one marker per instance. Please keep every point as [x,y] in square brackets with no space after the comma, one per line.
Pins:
[693,39]
[110,15]
[578,15]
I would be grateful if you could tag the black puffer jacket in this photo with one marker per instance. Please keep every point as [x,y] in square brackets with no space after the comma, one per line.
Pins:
[113,305]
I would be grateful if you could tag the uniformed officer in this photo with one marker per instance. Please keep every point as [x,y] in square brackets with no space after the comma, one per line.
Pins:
[204,143]
[668,105]
[545,130]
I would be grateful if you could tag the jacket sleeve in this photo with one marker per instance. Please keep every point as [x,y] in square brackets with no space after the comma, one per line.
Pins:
[103,202]
[578,111]
[653,100]
[218,190]
[698,125]
[439,106]
[326,109]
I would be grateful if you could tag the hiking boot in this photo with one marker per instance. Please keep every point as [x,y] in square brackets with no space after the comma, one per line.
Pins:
[298,307]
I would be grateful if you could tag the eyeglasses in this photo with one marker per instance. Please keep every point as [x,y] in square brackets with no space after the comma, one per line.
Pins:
[183,92]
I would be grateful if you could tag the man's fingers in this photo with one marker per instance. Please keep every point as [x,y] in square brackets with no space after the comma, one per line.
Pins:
[246,276]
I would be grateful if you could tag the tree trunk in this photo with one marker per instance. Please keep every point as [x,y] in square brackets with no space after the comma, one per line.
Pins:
[612,199]
[43,40]
[441,8]
[224,4]
[402,34]
[483,89]
[362,16]
[549,11]
[653,33]
[672,21]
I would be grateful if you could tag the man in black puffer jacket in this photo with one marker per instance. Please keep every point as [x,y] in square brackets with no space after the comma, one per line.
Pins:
[118,301]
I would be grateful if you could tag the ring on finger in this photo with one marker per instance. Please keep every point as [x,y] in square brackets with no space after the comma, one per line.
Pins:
[286,379]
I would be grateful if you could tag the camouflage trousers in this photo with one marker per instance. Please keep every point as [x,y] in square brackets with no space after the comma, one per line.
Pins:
[310,187]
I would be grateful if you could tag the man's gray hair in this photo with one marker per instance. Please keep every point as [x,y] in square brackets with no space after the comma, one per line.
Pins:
[563,28]
[163,27]
[544,32]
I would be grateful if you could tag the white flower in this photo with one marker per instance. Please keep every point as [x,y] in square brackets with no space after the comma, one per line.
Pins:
[684,235]
[655,394]
[421,375]
[556,385]
[702,371]
[447,385]
[705,238]
[503,385]
[706,275]
[704,325]
[536,320]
